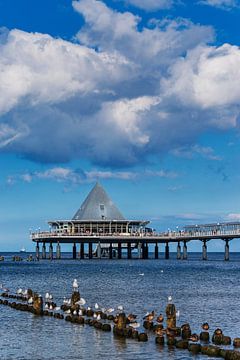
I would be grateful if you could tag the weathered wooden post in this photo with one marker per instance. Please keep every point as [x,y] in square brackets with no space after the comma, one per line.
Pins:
[37,304]
[76,294]
[171,316]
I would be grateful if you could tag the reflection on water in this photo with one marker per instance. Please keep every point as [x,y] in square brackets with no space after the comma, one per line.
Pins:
[202,291]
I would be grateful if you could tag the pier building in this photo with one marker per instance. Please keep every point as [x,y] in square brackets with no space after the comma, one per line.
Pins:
[98,229]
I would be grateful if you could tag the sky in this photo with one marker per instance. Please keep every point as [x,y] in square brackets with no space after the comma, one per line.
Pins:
[140,95]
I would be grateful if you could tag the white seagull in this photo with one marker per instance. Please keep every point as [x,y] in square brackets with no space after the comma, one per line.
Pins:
[75,285]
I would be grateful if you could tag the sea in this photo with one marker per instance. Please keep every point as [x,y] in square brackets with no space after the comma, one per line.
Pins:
[203,291]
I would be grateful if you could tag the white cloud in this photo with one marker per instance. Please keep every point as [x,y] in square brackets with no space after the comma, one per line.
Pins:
[123,92]
[233,217]
[78,176]
[189,152]
[224,4]
[151,5]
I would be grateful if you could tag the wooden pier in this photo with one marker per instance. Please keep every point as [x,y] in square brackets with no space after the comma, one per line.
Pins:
[98,229]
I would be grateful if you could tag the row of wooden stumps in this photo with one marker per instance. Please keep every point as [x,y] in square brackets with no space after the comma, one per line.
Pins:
[173,336]
[182,253]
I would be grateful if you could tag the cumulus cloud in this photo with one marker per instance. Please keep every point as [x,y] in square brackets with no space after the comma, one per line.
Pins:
[224,4]
[189,152]
[120,93]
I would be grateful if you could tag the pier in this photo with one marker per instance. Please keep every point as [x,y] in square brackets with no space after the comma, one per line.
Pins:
[98,229]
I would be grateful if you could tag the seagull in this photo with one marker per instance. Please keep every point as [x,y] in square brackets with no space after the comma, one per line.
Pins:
[141,274]
[99,317]
[3,288]
[95,315]
[50,297]
[75,285]
[81,302]
[110,310]
[96,306]
[149,316]
[80,312]
[161,271]
[57,308]
[19,291]
[134,325]
[75,312]
[178,314]
[47,296]
[170,299]
[46,306]
[68,311]
[50,307]
[30,301]
[120,307]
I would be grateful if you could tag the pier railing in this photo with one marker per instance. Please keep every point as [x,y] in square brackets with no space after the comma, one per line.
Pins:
[171,235]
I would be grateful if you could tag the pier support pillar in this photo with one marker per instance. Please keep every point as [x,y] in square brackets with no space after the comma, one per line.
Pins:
[226,250]
[139,250]
[167,251]
[50,254]
[74,252]
[119,250]
[156,251]
[37,251]
[129,250]
[179,251]
[204,250]
[110,251]
[146,251]
[82,251]
[185,254]
[90,250]
[58,251]
[44,251]
[99,250]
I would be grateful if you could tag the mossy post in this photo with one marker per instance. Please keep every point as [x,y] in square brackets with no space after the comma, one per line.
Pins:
[171,316]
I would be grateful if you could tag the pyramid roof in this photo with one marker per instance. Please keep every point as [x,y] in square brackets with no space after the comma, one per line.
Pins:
[98,206]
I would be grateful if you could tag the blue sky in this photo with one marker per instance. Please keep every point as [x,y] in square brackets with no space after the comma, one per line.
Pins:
[142,95]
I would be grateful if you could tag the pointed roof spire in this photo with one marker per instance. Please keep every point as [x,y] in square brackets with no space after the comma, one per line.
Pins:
[98,206]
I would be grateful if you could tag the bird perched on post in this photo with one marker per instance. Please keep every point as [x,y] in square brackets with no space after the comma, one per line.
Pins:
[149,316]
[75,285]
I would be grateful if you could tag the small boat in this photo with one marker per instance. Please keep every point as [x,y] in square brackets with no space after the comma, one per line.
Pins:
[22,250]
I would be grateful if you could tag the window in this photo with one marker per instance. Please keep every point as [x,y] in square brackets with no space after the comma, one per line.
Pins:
[101,207]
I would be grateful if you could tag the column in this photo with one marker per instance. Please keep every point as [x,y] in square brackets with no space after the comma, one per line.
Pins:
[204,250]
[74,251]
[82,251]
[226,250]
[44,251]
[146,251]
[143,251]
[50,255]
[139,250]
[185,255]
[37,251]
[156,251]
[167,251]
[129,250]
[99,250]
[179,251]
[90,252]
[119,250]
[110,251]
[58,251]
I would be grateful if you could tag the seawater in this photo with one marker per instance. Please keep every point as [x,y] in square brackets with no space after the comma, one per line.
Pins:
[201,290]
